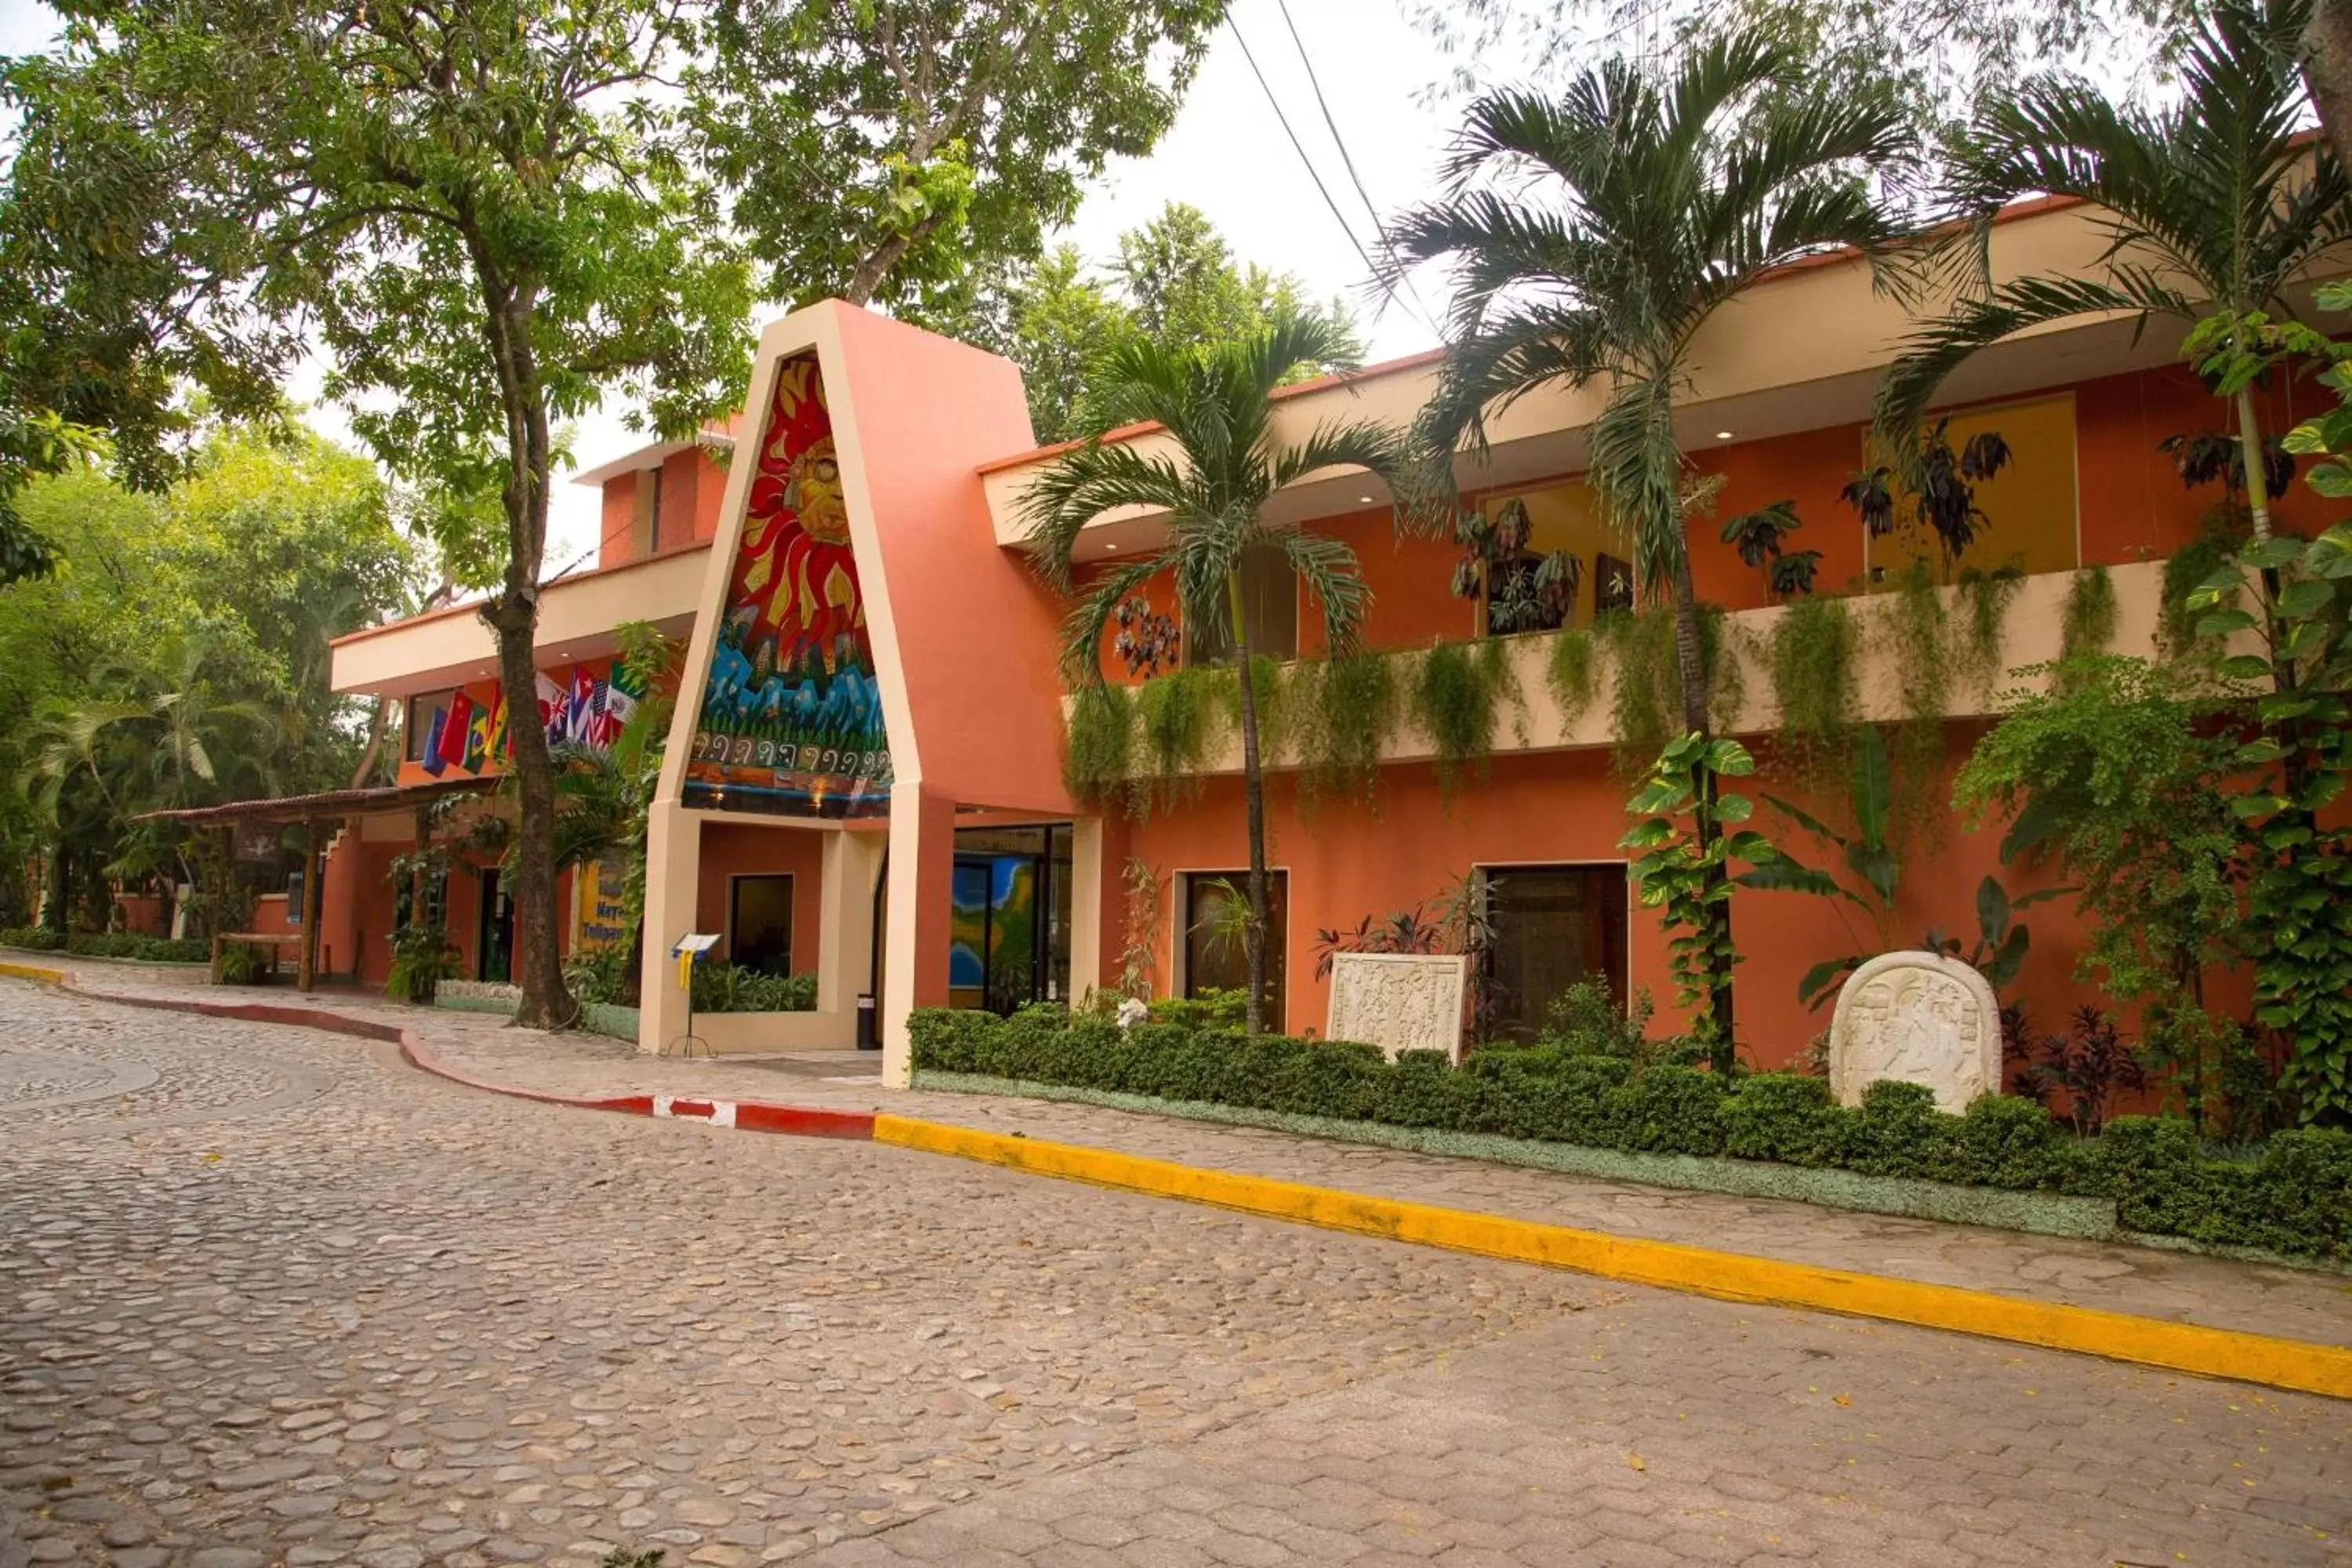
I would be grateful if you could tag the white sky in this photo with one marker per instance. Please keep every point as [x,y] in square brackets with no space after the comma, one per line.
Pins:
[1228,155]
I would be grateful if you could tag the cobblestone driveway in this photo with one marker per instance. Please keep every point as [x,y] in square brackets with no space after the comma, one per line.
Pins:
[267,1297]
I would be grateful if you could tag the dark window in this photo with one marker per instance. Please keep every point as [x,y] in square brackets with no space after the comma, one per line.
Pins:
[760,923]
[1269,606]
[418,727]
[1514,603]
[653,514]
[1216,958]
[1554,926]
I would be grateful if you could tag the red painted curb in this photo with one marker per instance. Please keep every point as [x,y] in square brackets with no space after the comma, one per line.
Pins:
[745,1115]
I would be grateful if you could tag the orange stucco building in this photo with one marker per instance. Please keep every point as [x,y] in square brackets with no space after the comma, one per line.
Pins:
[862,780]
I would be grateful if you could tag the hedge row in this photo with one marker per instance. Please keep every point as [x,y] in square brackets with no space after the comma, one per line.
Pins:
[2294,1196]
[110,945]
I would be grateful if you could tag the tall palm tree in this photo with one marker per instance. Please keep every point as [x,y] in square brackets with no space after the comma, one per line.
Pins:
[1213,402]
[2212,205]
[1595,234]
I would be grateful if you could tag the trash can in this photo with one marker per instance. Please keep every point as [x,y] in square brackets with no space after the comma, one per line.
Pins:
[869,1038]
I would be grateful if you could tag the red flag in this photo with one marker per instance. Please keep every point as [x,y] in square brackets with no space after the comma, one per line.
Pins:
[453,732]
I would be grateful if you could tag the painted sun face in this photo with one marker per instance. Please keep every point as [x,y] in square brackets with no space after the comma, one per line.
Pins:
[813,489]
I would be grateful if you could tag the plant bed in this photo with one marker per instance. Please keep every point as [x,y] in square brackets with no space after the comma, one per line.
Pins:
[488,996]
[121,947]
[1777,1134]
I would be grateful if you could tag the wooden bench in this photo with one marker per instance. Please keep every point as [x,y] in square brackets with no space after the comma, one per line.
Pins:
[221,940]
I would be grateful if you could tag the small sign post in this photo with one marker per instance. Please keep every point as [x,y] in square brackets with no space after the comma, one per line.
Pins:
[690,947]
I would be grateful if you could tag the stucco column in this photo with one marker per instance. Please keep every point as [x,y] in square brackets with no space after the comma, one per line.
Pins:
[673,871]
[922,880]
[845,929]
[1087,876]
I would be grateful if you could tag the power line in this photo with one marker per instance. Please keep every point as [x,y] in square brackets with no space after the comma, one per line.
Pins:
[1338,217]
[1341,141]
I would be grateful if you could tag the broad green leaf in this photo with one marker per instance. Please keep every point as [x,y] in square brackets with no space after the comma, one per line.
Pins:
[2226,623]
[1870,787]
[1877,865]
[1992,910]
[2302,598]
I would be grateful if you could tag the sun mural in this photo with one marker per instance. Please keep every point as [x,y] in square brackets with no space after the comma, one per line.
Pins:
[792,716]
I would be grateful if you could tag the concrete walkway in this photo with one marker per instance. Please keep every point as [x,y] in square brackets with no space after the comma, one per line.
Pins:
[2288,1303]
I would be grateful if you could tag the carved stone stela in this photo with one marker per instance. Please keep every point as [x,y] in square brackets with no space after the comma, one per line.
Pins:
[1398,1001]
[1917,1017]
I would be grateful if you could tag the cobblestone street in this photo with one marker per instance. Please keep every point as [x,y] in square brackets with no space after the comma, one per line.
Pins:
[269,1296]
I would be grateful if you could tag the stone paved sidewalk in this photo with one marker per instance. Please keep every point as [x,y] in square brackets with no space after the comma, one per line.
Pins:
[2289,1303]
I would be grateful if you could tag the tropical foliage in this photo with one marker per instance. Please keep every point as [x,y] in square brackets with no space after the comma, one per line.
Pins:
[1213,400]
[1596,231]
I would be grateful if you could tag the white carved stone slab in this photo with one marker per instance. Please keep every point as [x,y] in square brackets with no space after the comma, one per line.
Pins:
[1917,1017]
[1398,1001]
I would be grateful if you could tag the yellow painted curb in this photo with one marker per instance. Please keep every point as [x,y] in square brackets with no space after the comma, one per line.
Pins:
[2177,1347]
[33,972]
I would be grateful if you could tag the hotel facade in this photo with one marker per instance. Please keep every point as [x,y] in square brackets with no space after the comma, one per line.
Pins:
[865,778]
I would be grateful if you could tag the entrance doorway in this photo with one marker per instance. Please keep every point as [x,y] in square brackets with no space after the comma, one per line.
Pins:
[494,947]
[1009,930]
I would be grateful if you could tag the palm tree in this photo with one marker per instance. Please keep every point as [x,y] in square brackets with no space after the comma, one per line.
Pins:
[1213,402]
[1596,233]
[2211,205]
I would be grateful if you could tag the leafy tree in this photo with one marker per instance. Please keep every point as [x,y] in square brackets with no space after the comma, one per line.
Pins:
[888,150]
[1214,401]
[2114,775]
[483,209]
[1174,282]
[181,643]
[1596,232]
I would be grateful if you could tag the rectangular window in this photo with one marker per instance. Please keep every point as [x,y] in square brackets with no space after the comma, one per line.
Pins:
[654,513]
[1269,608]
[1216,958]
[2027,513]
[416,727]
[1562,519]
[1554,926]
[760,923]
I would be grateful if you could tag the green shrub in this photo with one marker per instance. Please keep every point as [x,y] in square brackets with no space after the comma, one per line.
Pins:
[731,988]
[110,945]
[2294,1195]
[243,964]
[1783,1116]
[1213,1009]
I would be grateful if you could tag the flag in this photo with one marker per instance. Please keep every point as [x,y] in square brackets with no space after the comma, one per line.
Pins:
[454,729]
[500,747]
[430,758]
[551,708]
[477,739]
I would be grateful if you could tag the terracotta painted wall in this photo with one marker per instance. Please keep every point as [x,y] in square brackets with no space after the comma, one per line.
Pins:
[731,850]
[1569,807]
[616,537]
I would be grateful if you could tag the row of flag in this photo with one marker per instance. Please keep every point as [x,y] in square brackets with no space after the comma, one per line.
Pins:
[587,711]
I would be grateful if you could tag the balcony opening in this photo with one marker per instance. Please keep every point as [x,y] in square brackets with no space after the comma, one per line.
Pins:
[1269,609]
[1210,944]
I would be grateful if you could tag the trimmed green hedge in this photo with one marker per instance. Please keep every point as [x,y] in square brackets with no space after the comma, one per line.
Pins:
[2294,1196]
[112,944]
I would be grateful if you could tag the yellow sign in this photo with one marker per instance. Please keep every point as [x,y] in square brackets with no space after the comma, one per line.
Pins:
[600,918]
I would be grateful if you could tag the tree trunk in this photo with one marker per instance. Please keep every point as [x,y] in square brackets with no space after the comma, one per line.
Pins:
[513,616]
[1691,665]
[2327,70]
[1253,793]
[546,1004]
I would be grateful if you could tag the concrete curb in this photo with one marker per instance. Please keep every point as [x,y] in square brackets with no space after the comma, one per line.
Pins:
[2294,1364]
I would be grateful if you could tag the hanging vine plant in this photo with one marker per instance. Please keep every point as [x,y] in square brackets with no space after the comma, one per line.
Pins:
[1985,598]
[1645,705]
[1273,707]
[1339,713]
[1811,657]
[1100,753]
[1456,696]
[1916,624]
[1572,676]
[1174,713]
[2087,622]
